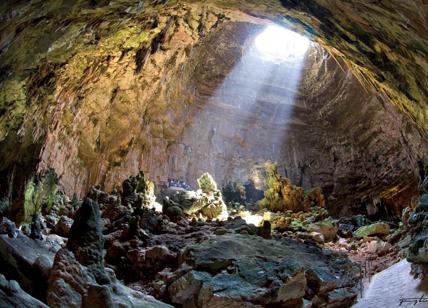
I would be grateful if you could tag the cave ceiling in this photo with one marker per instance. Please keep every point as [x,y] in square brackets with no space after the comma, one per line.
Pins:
[385,42]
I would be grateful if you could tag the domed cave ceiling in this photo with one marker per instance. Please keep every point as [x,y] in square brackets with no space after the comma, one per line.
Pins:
[177,89]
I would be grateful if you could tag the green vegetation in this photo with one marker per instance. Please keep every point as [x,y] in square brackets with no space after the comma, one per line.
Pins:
[207,184]
[281,195]
[40,194]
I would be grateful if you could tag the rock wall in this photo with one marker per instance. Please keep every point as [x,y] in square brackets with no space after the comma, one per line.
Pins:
[109,90]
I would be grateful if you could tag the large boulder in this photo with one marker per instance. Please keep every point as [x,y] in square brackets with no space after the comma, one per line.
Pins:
[27,261]
[8,227]
[379,228]
[378,247]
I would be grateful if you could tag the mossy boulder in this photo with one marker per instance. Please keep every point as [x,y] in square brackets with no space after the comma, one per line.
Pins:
[206,201]
[379,228]
[327,228]
[210,202]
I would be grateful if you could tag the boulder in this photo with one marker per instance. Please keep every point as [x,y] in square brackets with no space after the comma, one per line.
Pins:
[378,247]
[207,201]
[11,295]
[341,297]
[186,289]
[8,227]
[159,257]
[379,228]
[318,237]
[181,197]
[326,227]
[174,212]
[418,245]
[20,259]
[63,226]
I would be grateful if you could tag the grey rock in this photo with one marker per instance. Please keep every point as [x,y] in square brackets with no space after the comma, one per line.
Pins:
[341,297]
[20,259]
[186,289]
[8,227]
[86,240]
[11,295]
[418,247]
[37,227]
[73,285]
[234,269]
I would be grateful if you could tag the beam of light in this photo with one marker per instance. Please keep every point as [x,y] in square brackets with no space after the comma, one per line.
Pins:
[251,218]
[280,44]
[247,117]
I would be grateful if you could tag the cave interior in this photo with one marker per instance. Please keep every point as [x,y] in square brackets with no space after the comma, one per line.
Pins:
[213,153]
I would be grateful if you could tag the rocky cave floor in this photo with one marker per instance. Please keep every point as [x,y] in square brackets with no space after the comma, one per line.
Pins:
[123,249]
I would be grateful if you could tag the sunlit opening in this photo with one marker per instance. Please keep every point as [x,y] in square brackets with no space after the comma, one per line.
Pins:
[250,218]
[251,110]
[280,44]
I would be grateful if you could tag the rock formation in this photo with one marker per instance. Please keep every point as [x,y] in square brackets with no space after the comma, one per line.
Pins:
[206,201]
[78,277]
[229,270]
[86,240]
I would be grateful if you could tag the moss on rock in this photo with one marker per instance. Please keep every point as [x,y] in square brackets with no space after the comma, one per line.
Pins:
[281,195]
